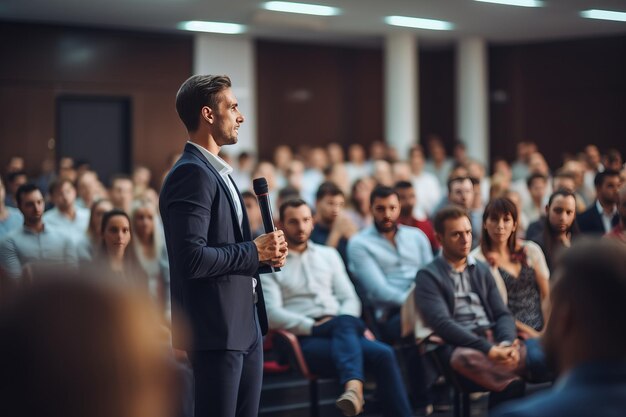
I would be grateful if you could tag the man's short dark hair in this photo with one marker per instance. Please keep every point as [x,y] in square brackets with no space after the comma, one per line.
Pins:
[199,91]
[382,191]
[57,183]
[458,179]
[402,185]
[535,176]
[328,188]
[293,203]
[25,189]
[591,276]
[447,213]
[598,181]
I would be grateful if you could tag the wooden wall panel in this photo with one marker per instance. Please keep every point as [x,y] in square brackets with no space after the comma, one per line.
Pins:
[47,61]
[562,95]
[312,95]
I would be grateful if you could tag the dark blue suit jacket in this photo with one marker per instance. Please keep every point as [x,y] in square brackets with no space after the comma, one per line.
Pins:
[212,259]
[594,389]
[590,221]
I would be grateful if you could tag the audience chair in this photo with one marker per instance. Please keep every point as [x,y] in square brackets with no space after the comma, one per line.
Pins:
[287,343]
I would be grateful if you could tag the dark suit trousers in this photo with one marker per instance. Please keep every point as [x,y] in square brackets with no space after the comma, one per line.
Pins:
[228,382]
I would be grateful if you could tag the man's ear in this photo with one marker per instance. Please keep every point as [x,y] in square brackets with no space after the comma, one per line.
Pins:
[207,114]
[439,238]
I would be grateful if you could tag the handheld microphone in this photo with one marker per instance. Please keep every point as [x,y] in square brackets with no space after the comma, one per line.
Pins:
[261,190]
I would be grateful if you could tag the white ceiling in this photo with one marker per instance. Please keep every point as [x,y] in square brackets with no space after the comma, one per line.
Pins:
[361,21]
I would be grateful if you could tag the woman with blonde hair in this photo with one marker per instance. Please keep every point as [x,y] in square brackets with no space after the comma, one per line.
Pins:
[149,247]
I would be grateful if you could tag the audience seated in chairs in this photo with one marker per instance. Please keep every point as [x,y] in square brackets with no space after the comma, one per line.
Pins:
[458,299]
[35,243]
[519,267]
[558,227]
[313,297]
[584,339]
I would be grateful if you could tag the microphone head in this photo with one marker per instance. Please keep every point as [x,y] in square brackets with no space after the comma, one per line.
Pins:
[260,186]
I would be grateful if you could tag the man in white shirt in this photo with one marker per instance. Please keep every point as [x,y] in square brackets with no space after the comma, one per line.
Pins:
[313,297]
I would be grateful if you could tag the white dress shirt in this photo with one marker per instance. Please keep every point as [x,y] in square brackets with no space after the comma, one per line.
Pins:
[312,284]
[224,170]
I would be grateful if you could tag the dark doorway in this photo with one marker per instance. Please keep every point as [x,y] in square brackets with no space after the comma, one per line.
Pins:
[97,130]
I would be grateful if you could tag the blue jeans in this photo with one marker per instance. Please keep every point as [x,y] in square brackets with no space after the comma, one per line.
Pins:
[339,345]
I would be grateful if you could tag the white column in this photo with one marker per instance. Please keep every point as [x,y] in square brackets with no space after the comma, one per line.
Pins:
[235,57]
[401,92]
[472,97]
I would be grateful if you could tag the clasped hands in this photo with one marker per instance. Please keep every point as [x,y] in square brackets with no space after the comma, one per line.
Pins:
[272,248]
[505,355]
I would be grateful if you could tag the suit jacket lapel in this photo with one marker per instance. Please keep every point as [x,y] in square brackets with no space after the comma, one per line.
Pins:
[192,149]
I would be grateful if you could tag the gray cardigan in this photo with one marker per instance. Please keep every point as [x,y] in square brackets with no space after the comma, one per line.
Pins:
[434,298]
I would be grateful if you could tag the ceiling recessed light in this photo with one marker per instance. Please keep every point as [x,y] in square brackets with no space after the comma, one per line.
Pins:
[212,27]
[604,15]
[301,8]
[522,3]
[418,23]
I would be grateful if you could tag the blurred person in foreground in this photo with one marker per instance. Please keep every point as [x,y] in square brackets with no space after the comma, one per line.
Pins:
[78,347]
[584,340]
[214,263]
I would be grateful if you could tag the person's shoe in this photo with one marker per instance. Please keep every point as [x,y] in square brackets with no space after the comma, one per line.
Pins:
[349,403]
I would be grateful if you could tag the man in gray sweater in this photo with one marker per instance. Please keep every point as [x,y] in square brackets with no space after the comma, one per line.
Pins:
[457,297]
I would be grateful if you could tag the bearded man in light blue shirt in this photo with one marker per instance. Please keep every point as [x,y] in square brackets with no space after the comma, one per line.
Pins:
[384,259]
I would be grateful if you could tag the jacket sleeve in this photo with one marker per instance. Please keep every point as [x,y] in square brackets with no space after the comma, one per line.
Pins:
[430,301]
[188,213]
